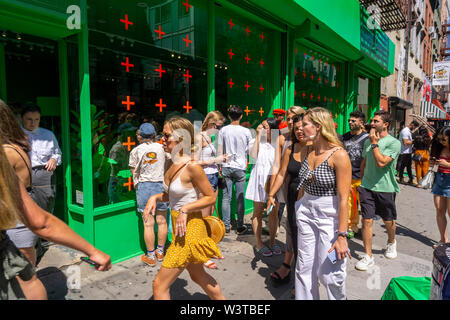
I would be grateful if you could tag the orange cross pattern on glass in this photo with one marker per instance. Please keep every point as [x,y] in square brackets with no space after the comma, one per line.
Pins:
[126,21]
[231,83]
[187,40]
[187,75]
[261,88]
[128,65]
[247,110]
[160,70]
[129,143]
[129,184]
[261,111]
[159,31]
[128,103]
[247,58]
[187,5]
[247,86]
[187,107]
[231,23]
[160,105]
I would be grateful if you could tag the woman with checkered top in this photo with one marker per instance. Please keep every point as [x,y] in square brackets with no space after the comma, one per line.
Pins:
[322,211]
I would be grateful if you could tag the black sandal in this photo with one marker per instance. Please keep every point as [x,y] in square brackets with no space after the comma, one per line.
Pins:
[277,280]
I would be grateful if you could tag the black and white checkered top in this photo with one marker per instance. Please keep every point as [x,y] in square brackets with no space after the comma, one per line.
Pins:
[318,182]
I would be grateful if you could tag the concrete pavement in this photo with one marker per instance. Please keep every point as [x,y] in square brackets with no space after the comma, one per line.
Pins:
[244,275]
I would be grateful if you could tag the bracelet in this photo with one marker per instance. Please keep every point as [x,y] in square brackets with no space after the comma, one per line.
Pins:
[342,233]
[182,211]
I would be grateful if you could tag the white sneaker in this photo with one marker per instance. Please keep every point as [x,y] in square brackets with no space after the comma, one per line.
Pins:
[391,250]
[365,263]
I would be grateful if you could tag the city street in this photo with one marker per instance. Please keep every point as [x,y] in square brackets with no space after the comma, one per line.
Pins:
[244,276]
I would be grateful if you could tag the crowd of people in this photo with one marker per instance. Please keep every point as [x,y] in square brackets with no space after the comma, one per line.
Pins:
[324,180]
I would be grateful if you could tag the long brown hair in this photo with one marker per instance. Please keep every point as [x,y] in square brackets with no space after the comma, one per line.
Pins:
[10,199]
[10,130]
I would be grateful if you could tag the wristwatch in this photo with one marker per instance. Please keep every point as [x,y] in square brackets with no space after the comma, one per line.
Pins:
[375,145]
[182,211]
[342,233]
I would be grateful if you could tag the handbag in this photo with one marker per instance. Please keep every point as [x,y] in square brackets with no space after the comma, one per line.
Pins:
[428,180]
[221,184]
[215,228]
[417,157]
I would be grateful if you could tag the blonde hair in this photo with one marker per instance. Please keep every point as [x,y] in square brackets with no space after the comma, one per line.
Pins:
[10,198]
[213,116]
[296,110]
[321,116]
[183,132]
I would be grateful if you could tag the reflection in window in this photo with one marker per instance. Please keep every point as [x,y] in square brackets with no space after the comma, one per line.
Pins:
[244,67]
[153,70]
[317,80]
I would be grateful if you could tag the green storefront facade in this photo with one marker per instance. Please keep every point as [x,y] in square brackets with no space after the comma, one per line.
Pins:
[98,68]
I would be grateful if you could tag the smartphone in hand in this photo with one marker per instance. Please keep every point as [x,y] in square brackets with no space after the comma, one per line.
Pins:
[89,261]
[332,256]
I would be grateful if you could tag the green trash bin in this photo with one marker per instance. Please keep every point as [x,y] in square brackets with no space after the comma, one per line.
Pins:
[408,288]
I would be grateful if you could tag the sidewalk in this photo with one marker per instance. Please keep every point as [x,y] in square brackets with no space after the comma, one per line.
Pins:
[242,275]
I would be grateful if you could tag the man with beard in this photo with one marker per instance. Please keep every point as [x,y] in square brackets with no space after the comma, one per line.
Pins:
[354,143]
[378,186]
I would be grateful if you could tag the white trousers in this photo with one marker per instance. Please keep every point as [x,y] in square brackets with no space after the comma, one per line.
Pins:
[317,222]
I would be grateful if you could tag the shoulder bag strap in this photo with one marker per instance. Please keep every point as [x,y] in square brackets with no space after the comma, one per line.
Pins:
[23,159]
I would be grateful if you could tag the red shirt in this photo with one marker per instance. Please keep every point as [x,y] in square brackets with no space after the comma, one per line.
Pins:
[282,125]
[442,168]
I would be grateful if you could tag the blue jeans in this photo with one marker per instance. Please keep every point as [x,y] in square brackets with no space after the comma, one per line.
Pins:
[236,176]
[147,189]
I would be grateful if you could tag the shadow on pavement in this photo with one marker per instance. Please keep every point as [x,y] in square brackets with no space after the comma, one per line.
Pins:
[178,292]
[407,232]
[55,282]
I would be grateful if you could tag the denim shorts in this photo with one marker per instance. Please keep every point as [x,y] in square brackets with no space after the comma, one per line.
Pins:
[147,189]
[213,180]
[441,185]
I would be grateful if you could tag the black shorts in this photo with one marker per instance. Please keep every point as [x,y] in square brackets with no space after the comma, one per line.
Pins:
[377,203]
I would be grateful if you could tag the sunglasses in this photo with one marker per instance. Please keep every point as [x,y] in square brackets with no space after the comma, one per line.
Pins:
[166,136]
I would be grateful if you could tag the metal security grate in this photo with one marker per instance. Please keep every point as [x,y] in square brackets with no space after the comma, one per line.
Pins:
[392,12]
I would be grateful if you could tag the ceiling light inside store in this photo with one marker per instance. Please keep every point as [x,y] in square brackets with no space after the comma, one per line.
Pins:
[19,37]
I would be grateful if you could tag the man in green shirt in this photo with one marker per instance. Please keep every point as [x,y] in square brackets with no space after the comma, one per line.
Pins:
[378,186]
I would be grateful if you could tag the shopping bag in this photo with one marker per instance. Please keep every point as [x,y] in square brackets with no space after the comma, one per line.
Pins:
[428,180]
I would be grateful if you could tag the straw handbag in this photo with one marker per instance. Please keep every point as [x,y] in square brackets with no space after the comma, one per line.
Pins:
[215,228]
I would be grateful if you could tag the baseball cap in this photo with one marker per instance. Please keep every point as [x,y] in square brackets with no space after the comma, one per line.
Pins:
[279,111]
[147,130]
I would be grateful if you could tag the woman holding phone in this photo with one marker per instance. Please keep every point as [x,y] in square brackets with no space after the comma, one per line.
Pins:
[322,211]
[184,181]
[440,154]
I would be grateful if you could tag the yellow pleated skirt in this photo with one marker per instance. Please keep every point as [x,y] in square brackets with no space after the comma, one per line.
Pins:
[195,247]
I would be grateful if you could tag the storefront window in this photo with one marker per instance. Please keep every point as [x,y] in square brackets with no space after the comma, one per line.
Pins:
[147,63]
[244,66]
[74,121]
[317,80]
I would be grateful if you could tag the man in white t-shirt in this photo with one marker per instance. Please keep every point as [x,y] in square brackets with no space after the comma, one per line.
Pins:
[405,160]
[234,140]
[147,163]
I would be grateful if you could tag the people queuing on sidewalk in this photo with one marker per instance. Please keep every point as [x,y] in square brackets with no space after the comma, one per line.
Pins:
[354,143]
[405,157]
[322,211]
[234,140]
[206,156]
[147,164]
[263,150]
[378,186]
[421,146]
[292,159]
[440,155]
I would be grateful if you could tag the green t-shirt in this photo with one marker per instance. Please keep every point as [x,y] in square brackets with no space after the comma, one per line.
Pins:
[381,179]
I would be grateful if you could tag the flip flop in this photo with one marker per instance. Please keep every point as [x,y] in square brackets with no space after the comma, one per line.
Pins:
[277,280]
[276,250]
[210,265]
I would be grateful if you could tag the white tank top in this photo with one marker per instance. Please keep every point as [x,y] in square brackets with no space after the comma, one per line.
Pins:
[209,152]
[179,195]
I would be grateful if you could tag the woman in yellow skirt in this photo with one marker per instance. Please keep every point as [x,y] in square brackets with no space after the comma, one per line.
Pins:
[183,182]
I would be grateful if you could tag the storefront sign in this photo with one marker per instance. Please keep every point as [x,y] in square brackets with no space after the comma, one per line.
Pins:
[441,73]
[426,95]
[374,42]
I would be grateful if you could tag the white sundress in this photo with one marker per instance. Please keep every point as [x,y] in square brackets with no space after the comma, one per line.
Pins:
[260,173]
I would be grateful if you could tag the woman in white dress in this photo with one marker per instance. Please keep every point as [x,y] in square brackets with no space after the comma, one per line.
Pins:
[261,149]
